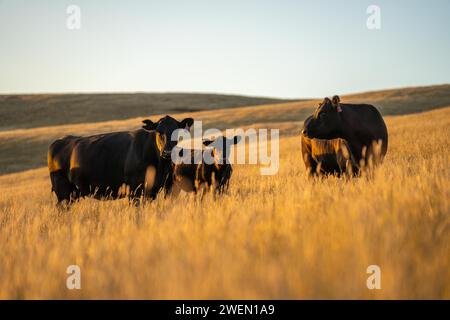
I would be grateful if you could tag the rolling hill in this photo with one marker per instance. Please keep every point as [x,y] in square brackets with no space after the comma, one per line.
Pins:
[37,110]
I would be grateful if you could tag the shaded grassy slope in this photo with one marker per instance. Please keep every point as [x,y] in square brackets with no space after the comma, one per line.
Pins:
[30,111]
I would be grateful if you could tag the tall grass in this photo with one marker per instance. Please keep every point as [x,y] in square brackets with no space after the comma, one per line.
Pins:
[281,236]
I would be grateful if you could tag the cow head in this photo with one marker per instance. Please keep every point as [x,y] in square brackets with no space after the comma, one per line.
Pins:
[326,121]
[164,129]
[222,147]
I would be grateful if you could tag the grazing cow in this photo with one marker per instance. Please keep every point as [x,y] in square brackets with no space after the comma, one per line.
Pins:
[361,125]
[102,165]
[328,156]
[216,175]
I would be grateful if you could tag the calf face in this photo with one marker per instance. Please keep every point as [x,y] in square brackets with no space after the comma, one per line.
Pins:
[328,156]
[213,172]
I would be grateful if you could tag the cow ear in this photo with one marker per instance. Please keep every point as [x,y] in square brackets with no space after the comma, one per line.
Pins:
[186,123]
[335,101]
[149,125]
[207,142]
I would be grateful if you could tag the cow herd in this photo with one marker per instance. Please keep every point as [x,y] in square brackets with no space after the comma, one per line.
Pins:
[337,139]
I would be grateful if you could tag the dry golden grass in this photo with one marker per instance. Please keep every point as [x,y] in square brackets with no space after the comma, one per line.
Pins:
[281,236]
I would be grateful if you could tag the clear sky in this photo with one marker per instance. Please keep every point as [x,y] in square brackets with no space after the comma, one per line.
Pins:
[268,48]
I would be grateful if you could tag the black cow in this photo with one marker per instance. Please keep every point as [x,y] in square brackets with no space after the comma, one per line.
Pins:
[361,125]
[328,157]
[192,176]
[113,165]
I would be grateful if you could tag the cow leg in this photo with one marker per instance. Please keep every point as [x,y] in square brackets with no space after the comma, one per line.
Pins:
[136,189]
[375,153]
[310,164]
[341,158]
[168,184]
[312,169]
[83,189]
[160,183]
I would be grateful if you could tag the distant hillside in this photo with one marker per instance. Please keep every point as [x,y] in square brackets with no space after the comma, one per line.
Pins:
[43,110]
[31,111]
[405,100]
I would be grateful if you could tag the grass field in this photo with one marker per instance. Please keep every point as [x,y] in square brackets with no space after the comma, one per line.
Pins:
[281,236]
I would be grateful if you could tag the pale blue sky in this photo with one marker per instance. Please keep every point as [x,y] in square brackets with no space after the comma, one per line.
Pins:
[267,48]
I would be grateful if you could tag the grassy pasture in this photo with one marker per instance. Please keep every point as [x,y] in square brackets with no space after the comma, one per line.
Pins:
[281,236]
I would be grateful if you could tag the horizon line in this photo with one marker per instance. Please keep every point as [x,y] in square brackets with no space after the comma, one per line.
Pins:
[61,93]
